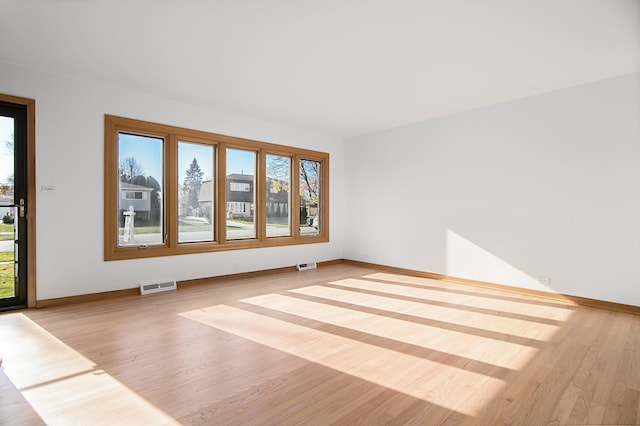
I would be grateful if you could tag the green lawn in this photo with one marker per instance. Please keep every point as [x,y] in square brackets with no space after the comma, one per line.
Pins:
[7,280]
[278,225]
[6,231]
[6,256]
[144,230]
[6,274]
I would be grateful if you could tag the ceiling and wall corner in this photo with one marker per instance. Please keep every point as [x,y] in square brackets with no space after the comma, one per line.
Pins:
[346,68]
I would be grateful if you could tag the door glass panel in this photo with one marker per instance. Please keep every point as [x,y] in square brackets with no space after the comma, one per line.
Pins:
[195,192]
[140,189]
[310,197]
[8,248]
[278,184]
[241,194]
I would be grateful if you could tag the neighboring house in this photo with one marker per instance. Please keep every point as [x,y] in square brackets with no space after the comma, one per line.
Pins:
[277,198]
[6,195]
[137,196]
[6,199]
[241,196]
[205,200]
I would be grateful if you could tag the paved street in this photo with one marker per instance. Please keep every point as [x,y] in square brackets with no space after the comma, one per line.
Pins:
[6,245]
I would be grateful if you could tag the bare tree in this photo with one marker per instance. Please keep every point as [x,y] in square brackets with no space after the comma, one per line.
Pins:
[279,170]
[129,168]
[310,180]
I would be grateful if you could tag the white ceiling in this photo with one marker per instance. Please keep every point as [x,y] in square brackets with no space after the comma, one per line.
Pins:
[346,67]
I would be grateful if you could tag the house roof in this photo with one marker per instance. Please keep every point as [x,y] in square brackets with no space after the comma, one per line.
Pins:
[238,176]
[126,186]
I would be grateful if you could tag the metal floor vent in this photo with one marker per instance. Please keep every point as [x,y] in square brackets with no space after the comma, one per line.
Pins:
[158,287]
[305,266]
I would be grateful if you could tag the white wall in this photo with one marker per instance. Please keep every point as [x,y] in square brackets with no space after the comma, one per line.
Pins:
[546,186]
[69,155]
[543,186]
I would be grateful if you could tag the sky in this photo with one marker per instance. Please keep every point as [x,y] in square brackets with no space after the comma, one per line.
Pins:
[241,161]
[6,158]
[148,153]
[187,152]
[146,150]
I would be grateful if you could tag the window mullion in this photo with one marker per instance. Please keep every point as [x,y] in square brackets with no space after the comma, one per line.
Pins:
[221,210]
[171,196]
[261,203]
[295,197]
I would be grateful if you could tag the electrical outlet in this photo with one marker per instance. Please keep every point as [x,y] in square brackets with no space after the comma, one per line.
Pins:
[544,280]
[236,265]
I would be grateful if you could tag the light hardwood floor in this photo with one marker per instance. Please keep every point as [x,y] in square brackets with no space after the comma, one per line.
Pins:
[338,345]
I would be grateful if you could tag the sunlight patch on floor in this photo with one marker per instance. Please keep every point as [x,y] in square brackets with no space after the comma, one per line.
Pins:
[454,316]
[479,291]
[63,386]
[415,376]
[500,306]
[477,348]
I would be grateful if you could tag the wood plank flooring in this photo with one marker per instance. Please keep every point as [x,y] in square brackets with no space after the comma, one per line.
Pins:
[337,345]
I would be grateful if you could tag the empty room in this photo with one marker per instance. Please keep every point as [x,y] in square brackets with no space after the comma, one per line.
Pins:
[346,212]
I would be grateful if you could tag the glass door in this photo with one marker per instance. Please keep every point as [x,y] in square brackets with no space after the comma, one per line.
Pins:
[13,208]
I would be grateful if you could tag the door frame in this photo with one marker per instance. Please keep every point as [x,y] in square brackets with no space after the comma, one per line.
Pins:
[31,193]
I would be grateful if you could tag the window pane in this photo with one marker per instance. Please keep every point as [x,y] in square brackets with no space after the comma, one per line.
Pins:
[9,215]
[6,162]
[241,170]
[278,182]
[310,197]
[195,192]
[141,180]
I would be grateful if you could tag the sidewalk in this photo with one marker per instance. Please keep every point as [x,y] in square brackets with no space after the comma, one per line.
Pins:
[6,245]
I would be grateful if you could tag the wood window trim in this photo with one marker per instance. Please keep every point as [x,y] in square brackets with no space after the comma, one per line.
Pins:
[113,125]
